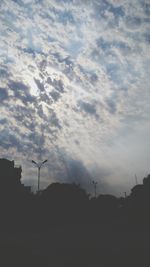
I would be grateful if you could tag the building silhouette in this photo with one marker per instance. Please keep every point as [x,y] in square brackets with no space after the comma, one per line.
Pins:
[10,178]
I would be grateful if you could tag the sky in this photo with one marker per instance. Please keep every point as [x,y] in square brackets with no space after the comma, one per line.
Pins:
[75,89]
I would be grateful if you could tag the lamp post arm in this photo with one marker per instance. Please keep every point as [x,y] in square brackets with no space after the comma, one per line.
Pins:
[39,165]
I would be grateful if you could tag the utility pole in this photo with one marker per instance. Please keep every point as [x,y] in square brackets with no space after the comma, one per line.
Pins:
[39,165]
[125,194]
[95,188]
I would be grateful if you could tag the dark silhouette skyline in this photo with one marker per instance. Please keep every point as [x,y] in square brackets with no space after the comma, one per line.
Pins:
[62,225]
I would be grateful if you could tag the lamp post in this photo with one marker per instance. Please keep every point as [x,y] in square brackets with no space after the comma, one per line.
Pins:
[39,165]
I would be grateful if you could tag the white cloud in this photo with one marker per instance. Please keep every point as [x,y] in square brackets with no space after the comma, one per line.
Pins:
[77,73]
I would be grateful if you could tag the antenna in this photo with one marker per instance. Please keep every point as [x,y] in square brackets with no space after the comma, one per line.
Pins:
[136,180]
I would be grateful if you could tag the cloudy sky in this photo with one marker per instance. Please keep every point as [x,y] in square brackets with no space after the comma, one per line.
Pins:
[75,89]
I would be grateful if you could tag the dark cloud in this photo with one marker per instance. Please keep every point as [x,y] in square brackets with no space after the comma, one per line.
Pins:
[57,84]
[93,78]
[10,140]
[39,85]
[37,142]
[26,116]
[40,112]
[88,108]
[53,120]
[44,97]
[29,51]
[21,91]
[3,121]
[55,95]
[14,85]
[3,73]
[61,59]
[3,94]
[111,103]
[77,172]
[146,7]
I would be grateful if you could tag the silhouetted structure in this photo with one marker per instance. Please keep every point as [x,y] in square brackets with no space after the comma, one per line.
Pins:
[62,226]
[66,202]
[10,178]
[9,173]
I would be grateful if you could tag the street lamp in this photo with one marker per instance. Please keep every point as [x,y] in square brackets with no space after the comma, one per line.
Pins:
[39,165]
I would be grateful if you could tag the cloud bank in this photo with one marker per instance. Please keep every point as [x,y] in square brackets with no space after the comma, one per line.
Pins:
[74,87]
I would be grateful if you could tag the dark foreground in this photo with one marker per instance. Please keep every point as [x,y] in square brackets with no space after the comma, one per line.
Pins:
[62,226]
[75,246]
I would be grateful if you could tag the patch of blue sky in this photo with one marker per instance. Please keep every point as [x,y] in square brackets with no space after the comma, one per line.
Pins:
[121,45]
[115,73]
[27,8]
[37,48]
[19,2]
[146,20]
[10,22]
[24,3]
[1,2]
[33,47]
[9,59]
[132,71]
[3,73]
[47,15]
[111,65]
[50,39]
[122,75]
[133,22]
[104,6]
[65,1]
[117,11]
[104,45]
[107,46]
[146,66]
[147,37]
[100,10]
[74,48]
[29,11]
[3,94]
[146,8]
[9,19]
[136,36]
[65,17]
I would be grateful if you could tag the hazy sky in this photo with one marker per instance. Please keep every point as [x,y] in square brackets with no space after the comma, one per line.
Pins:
[75,89]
